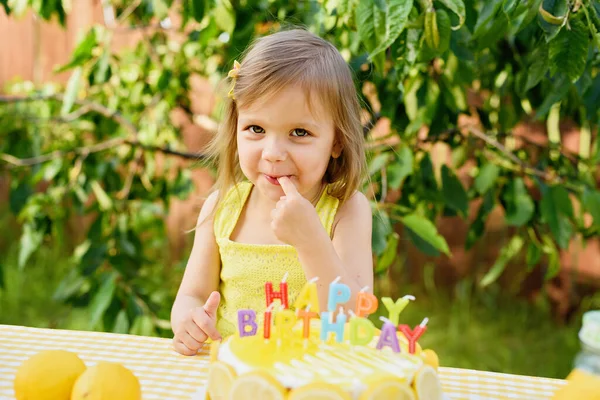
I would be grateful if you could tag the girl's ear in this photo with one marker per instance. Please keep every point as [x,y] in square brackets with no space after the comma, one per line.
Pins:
[336,151]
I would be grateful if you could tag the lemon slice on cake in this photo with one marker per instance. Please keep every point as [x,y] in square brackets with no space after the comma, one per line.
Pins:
[430,358]
[257,384]
[427,384]
[387,388]
[220,380]
[318,391]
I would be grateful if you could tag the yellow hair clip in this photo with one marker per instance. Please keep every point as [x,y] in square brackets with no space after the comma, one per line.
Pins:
[233,74]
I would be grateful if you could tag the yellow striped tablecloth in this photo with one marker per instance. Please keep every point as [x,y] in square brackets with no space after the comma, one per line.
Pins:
[165,374]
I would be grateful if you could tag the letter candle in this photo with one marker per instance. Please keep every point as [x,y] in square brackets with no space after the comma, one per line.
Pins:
[413,335]
[282,295]
[396,308]
[388,337]
[366,303]
[267,322]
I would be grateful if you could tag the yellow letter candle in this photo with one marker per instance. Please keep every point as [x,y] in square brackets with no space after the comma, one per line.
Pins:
[361,331]
[308,296]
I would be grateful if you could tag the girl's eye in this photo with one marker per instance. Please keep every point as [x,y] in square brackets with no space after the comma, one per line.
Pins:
[256,129]
[299,132]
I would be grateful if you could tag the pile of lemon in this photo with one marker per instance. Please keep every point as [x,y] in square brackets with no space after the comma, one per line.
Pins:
[224,383]
[62,375]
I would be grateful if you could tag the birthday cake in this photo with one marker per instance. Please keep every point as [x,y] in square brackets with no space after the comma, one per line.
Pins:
[304,354]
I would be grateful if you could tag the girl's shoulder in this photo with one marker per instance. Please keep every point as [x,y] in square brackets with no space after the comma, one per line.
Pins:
[356,208]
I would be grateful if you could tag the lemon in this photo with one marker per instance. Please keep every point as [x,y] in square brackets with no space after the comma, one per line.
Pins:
[387,388]
[318,391]
[580,385]
[220,380]
[430,358]
[49,374]
[427,384]
[259,385]
[107,381]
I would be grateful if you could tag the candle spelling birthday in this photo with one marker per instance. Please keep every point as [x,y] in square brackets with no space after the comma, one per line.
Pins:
[361,330]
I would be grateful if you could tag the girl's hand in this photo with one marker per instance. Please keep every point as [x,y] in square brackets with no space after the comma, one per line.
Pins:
[294,219]
[197,326]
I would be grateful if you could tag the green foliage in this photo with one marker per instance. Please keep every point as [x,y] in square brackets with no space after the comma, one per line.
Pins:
[91,149]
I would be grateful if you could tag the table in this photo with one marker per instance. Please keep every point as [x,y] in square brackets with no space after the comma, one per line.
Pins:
[165,374]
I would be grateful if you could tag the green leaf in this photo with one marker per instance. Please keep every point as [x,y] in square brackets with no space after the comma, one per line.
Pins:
[551,251]
[104,201]
[71,91]
[93,258]
[455,195]
[198,9]
[512,248]
[591,203]
[555,8]
[31,239]
[551,19]
[19,193]
[400,168]
[5,5]
[382,228]
[534,254]
[568,51]
[102,299]
[538,67]
[370,24]
[17,7]
[389,255]
[142,326]
[83,51]
[508,7]
[477,228]
[486,178]
[458,8]
[560,87]
[69,286]
[121,323]
[160,9]
[378,162]
[427,231]
[224,16]
[555,208]
[518,204]
[396,16]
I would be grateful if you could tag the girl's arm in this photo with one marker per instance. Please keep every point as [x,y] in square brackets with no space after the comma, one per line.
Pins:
[348,254]
[201,276]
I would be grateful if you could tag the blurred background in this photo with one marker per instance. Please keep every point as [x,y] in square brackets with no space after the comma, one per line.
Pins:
[481,122]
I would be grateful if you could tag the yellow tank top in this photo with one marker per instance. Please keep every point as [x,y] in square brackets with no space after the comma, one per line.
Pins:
[245,268]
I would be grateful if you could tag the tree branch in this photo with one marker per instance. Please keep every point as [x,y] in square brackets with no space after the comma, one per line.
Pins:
[87,106]
[109,144]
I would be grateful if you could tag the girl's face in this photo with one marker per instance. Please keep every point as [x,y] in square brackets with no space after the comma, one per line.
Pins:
[281,137]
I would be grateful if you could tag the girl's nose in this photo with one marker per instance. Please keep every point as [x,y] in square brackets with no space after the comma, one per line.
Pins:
[274,150]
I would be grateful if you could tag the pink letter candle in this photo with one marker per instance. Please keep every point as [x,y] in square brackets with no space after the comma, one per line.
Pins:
[396,308]
[247,318]
[413,336]
[366,303]
[338,294]
[282,295]
[388,337]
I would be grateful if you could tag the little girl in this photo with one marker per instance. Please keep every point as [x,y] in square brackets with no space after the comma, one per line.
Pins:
[291,159]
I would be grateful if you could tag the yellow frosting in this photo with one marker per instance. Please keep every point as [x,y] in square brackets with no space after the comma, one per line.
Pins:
[299,360]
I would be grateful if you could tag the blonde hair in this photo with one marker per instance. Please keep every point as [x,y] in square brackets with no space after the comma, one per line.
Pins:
[293,57]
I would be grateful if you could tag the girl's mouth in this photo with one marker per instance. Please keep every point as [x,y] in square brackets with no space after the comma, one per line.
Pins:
[274,179]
